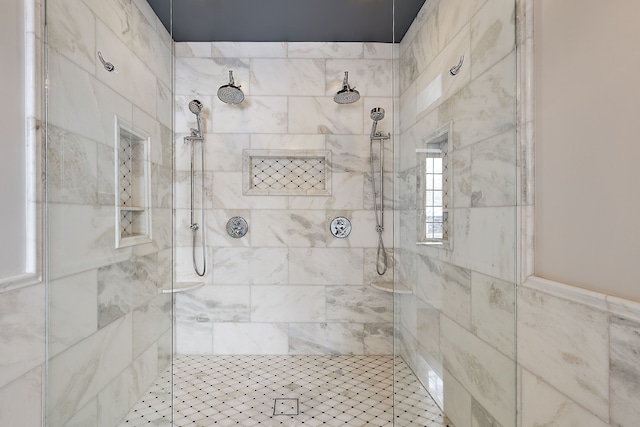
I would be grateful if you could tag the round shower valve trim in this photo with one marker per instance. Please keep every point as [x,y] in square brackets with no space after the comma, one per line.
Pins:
[237,227]
[340,227]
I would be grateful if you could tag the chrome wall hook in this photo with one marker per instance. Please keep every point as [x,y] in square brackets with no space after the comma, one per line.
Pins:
[107,65]
[454,70]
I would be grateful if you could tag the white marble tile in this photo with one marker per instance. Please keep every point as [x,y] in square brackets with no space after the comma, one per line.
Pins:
[73,310]
[461,183]
[260,338]
[323,115]
[222,152]
[288,141]
[150,47]
[72,168]
[371,77]
[484,239]
[419,52]
[325,50]
[428,329]
[492,34]
[183,258]
[214,304]
[347,192]
[249,49]
[429,286]
[350,153]
[193,50]
[493,93]
[324,266]
[122,393]
[288,303]
[279,77]
[488,375]
[493,171]
[21,400]
[182,190]
[87,416]
[378,50]
[326,338]
[457,401]
[624,384]
[378,338]
[256,114]
[141,90]
[452,16]
[565,344]
[194,337]
[356,304]
[81,104]
[289,228]
[436,77]
[22,330]
[95,362]
[150,322]
[71,30]
[259,266]
[542,405]
[493,312]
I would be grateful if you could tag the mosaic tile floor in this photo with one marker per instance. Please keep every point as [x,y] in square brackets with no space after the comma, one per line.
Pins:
[287,391]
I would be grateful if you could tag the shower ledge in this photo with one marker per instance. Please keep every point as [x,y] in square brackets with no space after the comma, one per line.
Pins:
[183,287]
[388,287]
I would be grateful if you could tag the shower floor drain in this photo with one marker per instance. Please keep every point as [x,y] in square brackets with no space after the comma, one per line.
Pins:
[282,406]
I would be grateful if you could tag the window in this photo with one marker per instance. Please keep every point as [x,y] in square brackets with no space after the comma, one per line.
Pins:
[433,186]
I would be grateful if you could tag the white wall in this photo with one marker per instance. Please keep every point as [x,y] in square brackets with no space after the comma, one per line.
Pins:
[12,140]
[587,151]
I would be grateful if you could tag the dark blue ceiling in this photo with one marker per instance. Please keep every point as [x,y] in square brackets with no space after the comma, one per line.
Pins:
[288,20]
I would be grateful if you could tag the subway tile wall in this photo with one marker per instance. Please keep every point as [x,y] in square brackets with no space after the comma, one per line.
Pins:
[288,286]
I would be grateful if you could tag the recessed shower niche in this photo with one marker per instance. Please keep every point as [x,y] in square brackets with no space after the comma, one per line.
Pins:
[132,174]
[287,172]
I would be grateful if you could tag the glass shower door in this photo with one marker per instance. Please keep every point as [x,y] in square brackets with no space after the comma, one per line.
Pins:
[109,198]
[456,196]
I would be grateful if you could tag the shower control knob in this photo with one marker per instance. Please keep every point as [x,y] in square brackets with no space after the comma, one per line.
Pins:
[237,227]
[340,227]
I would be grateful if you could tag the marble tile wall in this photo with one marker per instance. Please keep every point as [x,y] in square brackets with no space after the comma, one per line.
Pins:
[288,286]
[579,356]
[457,329]
[110,327]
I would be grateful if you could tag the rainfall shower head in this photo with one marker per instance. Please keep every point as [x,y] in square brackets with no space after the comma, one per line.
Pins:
[230,93]
[377,114]
[348,94]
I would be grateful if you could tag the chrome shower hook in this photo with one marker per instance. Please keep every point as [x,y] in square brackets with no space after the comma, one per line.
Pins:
[454,70]
[107,65]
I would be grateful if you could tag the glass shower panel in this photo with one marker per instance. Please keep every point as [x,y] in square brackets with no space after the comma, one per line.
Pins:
[109,200]
[454,327]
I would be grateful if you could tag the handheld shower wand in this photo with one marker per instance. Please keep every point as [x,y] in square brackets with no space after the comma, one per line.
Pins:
[195,107]
[377,114]
[197,135]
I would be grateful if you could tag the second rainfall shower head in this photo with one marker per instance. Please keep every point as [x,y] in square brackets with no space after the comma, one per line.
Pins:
[348,94]
[230,93]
